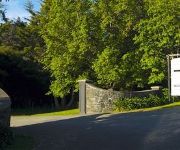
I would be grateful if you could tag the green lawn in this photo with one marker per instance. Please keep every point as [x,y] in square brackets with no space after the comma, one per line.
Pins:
[47,112]
[60,113]
[44,112]
[175,104]
[51,112]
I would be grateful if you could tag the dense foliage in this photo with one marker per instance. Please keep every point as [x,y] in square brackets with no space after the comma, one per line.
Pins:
[138,102]
[66,29]
[157,35]
[120,44]
[21,75]
[24,80]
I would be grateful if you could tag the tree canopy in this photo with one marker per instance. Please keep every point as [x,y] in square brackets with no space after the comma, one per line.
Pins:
[21,75]
[120,44]
[158,35]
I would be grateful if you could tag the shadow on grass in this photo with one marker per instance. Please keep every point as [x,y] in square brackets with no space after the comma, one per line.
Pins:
[155,130]
[37,110]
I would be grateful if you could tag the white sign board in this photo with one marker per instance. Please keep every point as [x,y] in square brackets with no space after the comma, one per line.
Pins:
[175,77]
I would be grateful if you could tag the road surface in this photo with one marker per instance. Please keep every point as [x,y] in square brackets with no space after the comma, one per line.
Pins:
[155,130]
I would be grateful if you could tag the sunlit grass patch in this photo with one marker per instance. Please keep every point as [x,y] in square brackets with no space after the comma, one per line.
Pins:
[171,105]
[60,113]
[44,112]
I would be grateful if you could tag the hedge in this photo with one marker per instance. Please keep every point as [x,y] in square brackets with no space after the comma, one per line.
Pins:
[141,102]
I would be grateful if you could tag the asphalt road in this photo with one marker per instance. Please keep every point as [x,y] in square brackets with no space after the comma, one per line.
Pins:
[156,130]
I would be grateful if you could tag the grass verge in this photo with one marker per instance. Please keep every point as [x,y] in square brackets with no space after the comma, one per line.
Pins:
[60,113]
[21,143]
[26,112]
[38,112]
[171,105]
[175,104]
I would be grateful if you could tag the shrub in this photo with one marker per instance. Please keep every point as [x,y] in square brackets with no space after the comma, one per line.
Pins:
[6,136]
[23,79]
[165,93]
[137,102]
[166,96]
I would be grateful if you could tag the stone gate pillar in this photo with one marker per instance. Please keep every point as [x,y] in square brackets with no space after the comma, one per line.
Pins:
[82,96]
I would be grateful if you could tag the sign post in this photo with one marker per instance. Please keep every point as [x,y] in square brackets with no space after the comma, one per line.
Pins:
[173,75]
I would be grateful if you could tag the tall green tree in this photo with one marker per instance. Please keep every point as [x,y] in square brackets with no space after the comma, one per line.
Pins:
[21,75]
[158,35]
[13,33]
[117,19]
[36,43]
[83,37]
[119,44]
[67,33]
[22,78]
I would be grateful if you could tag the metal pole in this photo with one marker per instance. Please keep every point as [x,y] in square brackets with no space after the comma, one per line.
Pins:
[169,78]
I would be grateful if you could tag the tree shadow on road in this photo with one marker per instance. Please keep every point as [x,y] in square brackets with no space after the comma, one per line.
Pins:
[156,130]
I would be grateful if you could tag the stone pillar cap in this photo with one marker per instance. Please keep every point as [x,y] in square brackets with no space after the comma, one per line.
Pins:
[85,80]
[156,87]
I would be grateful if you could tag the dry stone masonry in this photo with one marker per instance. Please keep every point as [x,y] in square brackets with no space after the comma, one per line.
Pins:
[96,100]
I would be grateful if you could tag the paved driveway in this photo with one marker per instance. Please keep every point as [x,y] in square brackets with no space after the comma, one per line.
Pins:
[156,130]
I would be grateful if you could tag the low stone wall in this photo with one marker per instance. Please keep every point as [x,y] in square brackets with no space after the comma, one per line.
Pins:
[5,109]
[100,100]
[96,100]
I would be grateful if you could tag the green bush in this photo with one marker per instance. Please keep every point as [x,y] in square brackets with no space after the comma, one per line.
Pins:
[6,136]
[166,96]
[165,93]
[137,102]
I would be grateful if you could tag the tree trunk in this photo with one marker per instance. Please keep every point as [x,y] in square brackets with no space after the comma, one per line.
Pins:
[72,98]
[63,102]
[56,103]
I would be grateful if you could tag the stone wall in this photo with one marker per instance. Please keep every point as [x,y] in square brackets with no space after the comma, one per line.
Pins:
[96,100]
[100,100]
[5,109]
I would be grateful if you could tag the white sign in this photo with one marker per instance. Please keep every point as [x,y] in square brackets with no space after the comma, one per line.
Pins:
[175,77]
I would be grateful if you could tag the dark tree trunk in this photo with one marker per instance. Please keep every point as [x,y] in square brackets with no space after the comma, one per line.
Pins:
[63,102]
[56,103]
[71,102]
